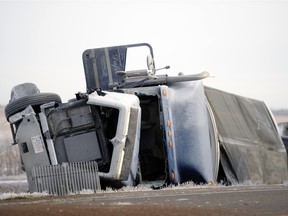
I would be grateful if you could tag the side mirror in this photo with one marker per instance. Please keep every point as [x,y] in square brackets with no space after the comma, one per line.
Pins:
[150,64]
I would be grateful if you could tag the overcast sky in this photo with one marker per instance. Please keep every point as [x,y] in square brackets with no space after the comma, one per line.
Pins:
[243,44]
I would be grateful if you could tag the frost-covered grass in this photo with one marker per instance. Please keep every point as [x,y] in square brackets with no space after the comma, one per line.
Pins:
[16,193]
[19,177]
[9,155]
[13,186]
[10,196]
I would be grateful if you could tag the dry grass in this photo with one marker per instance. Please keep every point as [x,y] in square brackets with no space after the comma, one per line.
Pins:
[9,155]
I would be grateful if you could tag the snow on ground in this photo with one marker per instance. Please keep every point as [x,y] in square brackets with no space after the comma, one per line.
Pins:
[9,196]
[13,184]
[16,187]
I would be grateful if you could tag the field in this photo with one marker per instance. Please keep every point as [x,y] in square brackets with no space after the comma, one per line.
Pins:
[9,155]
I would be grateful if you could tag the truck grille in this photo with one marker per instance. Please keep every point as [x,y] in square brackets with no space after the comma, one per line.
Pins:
[65,179]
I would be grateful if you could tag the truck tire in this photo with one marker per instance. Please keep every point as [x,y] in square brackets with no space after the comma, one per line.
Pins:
[34,100]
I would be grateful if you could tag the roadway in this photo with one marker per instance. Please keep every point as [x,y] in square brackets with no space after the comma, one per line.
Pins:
[182,200]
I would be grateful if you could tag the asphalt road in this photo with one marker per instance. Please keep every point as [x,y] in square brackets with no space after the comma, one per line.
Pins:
[191,200]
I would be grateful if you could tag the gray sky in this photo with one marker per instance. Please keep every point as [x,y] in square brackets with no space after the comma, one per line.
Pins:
[243,44]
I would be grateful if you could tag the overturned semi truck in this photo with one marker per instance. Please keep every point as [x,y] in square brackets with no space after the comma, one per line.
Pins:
[133,125]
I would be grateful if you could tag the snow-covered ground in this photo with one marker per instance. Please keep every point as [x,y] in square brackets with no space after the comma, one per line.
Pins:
[16,187]
[13,184]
